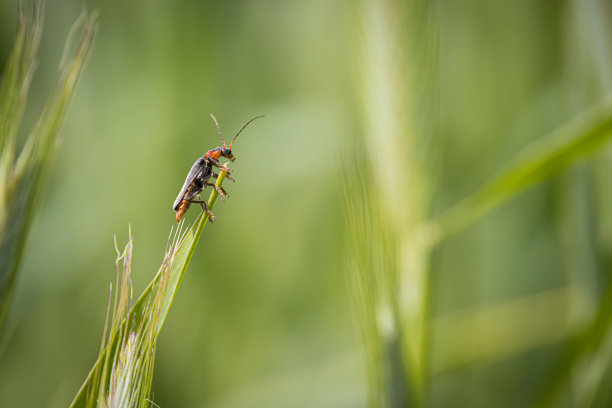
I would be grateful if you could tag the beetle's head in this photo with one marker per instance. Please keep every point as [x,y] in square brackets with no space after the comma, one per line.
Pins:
[227,153]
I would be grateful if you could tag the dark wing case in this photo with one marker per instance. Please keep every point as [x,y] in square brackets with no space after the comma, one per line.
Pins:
[193,173]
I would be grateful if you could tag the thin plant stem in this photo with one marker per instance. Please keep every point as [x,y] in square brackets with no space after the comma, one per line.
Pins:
[183,252]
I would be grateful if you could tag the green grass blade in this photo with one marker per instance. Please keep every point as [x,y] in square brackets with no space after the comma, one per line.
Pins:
[23,181]
[580,136]
[585,344]
[480,334]
[186,250]
[125,379]
[389,186]
[169,283]
[18,74]
[13,95]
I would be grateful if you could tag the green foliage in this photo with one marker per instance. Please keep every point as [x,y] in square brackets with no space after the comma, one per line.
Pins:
[123,372]
[23,176]
[389,193]
[480,276]
[389,183]
[582,135]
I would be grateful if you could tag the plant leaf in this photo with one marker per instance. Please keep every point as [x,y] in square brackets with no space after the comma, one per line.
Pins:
[544,157]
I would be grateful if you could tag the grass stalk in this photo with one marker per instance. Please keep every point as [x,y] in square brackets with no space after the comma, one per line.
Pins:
[388,193]
[23,177]
[388,190]
[109,373]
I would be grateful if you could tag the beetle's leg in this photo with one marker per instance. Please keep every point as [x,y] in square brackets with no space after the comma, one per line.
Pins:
[218,164]
[215,175]
[201,202]
[227,169]
[204,206]
[222,193]
[214,161]
[192,193]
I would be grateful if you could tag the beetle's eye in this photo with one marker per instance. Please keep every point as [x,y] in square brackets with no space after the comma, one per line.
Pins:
[226,152]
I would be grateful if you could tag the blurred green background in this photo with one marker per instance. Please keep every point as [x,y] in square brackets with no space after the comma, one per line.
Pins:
[265,315]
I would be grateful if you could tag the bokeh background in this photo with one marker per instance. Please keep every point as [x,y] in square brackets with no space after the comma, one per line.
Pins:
[265,316]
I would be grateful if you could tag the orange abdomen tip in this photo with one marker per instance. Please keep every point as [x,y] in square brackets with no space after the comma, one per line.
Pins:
[182,210]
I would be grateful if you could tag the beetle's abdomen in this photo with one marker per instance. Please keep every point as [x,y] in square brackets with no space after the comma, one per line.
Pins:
[184,205]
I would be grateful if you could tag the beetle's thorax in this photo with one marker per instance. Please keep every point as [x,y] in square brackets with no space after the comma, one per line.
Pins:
[214,153]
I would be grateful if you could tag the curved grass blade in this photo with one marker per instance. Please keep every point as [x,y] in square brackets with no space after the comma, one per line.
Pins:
[162,289]
[544,157]
[22,181]
[18,73]
[125,379]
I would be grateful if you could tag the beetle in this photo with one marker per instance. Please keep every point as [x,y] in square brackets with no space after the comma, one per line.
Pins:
[200,174]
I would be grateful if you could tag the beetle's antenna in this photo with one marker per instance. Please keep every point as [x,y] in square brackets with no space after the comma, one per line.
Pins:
[256,117]
[219,129]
